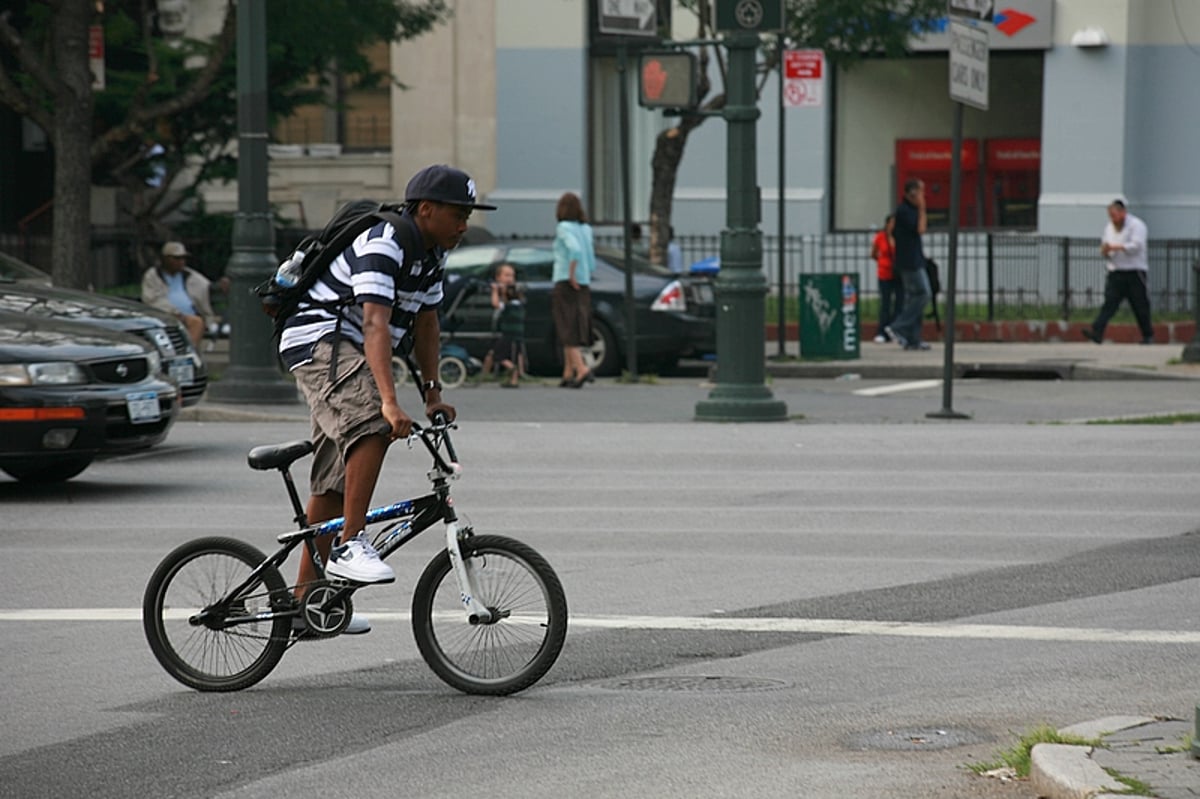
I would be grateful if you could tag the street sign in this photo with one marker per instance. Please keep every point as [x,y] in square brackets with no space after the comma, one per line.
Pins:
[96,56]
[973,9]
[803,78]
[629,17]
[755,16]
[667,80]
[968,64]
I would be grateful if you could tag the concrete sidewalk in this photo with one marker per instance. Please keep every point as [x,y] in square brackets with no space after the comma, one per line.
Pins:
[1151,753]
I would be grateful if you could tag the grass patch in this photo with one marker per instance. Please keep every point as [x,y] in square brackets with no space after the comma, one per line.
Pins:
[1017,757]
[643,378]
[1134,786]
[1172,418]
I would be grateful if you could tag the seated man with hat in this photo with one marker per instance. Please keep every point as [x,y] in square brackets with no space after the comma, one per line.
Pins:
[176,288]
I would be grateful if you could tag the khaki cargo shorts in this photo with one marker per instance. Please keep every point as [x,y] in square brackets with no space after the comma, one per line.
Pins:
[343,412]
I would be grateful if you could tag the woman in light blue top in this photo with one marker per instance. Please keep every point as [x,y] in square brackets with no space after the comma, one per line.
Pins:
[574,263]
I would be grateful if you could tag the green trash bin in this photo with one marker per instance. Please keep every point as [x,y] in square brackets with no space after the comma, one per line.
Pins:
[829,317]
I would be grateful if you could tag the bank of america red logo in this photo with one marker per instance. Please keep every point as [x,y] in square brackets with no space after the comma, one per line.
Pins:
[1011,22]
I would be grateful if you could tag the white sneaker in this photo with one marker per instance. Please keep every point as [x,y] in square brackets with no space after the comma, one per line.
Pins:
[357,561]
[881,339]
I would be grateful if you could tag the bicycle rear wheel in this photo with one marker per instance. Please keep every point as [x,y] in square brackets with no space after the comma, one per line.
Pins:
[228,650]
[529,623]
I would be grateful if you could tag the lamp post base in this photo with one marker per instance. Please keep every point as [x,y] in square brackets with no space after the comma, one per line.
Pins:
[741,403]
[253,384]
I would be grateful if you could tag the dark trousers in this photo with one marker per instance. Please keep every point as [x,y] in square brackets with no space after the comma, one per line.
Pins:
[1125,285]
[907,324]
[891,297]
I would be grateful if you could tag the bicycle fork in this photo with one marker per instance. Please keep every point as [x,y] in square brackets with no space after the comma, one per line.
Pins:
[467,575]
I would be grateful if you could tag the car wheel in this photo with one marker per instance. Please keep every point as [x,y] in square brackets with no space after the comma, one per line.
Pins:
[602,356]
[52,472]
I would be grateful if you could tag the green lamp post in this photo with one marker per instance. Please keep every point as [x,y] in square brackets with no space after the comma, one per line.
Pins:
[740,393]
[253,374]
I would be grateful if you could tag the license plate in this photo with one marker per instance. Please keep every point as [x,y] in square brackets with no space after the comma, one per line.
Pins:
[182,370]
[143,407]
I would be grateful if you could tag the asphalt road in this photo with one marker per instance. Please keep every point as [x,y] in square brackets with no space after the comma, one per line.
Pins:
[811,608]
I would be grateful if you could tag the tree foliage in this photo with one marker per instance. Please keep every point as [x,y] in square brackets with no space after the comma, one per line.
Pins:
[847,30]
[166,120]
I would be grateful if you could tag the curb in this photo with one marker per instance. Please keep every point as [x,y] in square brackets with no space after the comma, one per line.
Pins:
[1041,370]
[1064,771]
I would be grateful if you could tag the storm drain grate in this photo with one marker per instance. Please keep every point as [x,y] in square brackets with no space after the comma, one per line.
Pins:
[921,738]
[694,684]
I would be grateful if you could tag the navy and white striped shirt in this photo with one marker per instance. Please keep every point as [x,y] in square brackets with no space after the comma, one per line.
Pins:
[372,269]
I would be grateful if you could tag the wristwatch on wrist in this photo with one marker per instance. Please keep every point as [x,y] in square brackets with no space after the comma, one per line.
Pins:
[430,385]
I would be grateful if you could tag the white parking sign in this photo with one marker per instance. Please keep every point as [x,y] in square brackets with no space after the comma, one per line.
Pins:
[969,65]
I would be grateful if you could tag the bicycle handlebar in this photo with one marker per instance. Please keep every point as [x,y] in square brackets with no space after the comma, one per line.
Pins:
[440,426]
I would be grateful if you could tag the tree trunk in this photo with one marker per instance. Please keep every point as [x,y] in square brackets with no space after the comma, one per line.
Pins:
[664,172]
[71,248]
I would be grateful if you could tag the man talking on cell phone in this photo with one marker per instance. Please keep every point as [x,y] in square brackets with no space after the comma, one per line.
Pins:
[909,264]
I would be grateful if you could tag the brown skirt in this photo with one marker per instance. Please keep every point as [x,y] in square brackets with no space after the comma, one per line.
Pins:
[572,310]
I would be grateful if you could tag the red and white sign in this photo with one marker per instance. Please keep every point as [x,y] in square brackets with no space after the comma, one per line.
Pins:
[803,78]
[96,56]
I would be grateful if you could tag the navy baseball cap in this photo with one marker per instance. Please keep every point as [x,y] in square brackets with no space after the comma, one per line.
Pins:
[444,184]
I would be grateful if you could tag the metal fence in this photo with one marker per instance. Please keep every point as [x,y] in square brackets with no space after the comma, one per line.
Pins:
[1003,274]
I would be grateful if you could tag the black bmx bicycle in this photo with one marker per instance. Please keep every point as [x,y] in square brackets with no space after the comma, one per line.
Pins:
[488,613]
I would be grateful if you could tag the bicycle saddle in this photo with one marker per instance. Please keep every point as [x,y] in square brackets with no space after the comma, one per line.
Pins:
[278,456]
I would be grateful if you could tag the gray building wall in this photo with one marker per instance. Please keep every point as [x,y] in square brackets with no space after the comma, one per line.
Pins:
[1114,121]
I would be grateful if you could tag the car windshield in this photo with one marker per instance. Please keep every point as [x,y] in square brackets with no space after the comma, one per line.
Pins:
[12,269]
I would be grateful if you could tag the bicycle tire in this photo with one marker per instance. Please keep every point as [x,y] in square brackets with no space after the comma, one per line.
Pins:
[194,576]
[509,654]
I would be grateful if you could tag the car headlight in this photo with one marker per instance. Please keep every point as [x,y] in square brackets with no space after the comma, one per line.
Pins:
[54,373]
[155,362]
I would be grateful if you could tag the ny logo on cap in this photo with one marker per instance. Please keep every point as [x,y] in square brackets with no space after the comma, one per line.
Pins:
[471,188]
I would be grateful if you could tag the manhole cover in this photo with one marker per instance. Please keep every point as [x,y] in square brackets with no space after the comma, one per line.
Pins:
[916,739]
[694,684]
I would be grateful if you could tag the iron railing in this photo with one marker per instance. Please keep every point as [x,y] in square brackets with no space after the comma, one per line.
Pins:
[1008,274]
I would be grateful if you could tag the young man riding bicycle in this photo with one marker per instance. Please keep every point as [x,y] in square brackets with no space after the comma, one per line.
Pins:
[388,293]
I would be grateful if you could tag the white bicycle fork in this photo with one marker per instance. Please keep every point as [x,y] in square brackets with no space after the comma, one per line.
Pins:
[465,574]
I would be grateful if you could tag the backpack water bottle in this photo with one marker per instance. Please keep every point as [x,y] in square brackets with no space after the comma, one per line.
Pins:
[288,274]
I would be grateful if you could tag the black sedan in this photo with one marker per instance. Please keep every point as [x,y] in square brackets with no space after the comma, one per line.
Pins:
[70,393]
[675,314]
[20,293]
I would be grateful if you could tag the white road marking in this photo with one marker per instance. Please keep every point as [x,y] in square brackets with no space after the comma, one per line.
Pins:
[900,629]
[896,388]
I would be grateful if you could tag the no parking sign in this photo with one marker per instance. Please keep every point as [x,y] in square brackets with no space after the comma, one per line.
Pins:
[803,78]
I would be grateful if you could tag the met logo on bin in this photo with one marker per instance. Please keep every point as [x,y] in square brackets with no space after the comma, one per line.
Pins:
[829,316]
[849,314]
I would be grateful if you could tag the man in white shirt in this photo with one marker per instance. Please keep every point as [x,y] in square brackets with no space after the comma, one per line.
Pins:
[1123,244]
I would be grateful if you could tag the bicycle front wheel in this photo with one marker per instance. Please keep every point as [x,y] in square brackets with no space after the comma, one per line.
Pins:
[201,634]
[529,618]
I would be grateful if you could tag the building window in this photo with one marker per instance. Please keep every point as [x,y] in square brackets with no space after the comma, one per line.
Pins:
[355,117]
